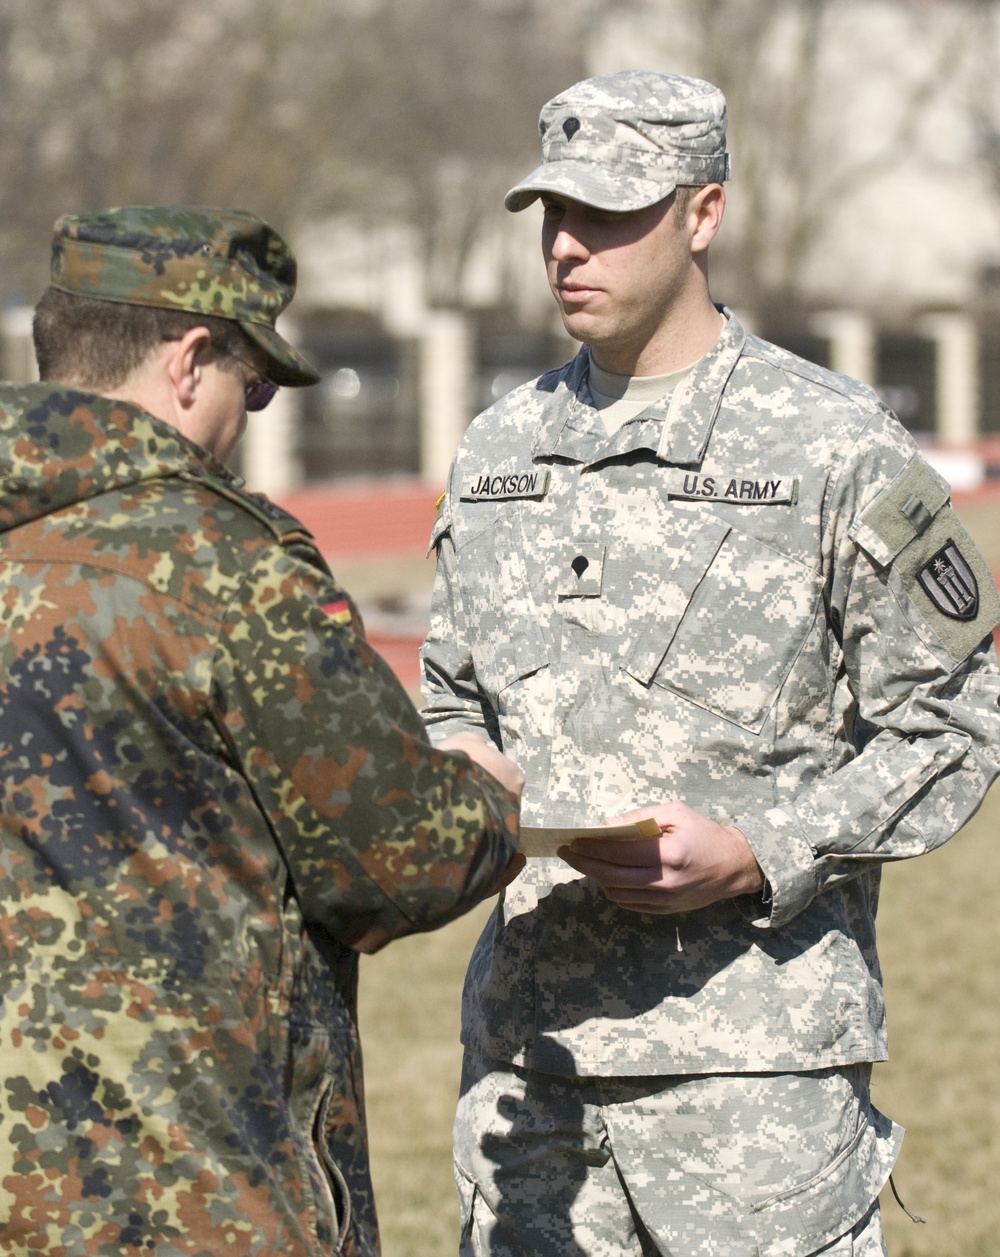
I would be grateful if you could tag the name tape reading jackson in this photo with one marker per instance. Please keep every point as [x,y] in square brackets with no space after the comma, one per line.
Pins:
[491,486]
[741,488]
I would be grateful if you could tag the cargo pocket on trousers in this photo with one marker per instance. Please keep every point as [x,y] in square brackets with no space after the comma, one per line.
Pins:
[810,1215]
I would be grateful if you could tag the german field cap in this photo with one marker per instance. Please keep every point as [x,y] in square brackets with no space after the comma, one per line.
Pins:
[624,141]
[219,262]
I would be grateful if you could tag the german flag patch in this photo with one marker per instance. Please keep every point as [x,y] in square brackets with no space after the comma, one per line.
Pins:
[339,612]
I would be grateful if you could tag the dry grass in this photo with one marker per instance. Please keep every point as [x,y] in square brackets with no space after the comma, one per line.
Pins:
[409,1026]
[939,938]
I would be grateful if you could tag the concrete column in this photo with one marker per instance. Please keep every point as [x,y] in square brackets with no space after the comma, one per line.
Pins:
[852,342]
[956,362]
[446,357]
[18,351]
[270,460]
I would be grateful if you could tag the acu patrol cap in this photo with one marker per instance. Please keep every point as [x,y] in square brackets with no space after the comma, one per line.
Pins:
[624,141]
[219,262]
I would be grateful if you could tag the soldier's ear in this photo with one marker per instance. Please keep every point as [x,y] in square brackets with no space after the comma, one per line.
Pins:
[185,363]
[704,215]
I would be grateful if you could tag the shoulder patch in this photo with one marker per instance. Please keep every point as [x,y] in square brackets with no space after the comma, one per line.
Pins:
[950,583]
[442,523]
[912,529]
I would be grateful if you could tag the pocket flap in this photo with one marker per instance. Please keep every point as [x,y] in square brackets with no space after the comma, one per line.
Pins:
[504,630]
[662,610]
[811,1215]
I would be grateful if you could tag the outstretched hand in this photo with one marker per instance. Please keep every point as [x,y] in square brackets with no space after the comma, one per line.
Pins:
[510,776]
[486,755]
[694,862]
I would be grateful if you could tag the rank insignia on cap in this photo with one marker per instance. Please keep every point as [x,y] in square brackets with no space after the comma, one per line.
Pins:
[339,612]
[948,581]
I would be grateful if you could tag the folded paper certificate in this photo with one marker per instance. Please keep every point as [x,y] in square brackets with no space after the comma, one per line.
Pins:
[542,842]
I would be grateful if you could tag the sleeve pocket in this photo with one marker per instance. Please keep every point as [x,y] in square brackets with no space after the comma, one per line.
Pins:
[934,565]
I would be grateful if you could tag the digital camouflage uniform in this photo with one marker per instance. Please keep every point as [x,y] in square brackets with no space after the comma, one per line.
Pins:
[213,794]
[754,597]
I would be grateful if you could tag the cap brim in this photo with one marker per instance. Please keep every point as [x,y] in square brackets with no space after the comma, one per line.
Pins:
[589,184]
[285,365]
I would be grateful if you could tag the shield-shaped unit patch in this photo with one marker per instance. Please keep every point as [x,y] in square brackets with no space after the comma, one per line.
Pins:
[950,584]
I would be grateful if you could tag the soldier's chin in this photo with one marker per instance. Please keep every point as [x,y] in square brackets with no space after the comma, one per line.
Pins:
[574,321]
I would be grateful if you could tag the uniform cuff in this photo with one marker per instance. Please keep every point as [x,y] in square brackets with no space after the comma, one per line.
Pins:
[788,863]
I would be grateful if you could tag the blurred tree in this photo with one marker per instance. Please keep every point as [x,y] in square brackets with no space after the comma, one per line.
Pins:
[825,98]
[982,88]
[412,109]
[423,111]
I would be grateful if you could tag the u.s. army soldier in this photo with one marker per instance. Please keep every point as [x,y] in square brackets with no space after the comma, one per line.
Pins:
[213,794]
[690,577]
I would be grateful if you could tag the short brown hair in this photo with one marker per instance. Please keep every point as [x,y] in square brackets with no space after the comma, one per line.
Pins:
[682,195]
[98,344]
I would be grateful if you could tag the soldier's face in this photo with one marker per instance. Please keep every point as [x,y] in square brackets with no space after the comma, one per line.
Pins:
[225,411]
[234,386]
[616,277]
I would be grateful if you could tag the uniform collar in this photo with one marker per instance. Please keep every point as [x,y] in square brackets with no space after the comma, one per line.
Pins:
[676,428]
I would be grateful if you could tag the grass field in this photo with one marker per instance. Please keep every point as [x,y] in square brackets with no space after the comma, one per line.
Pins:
[939,932]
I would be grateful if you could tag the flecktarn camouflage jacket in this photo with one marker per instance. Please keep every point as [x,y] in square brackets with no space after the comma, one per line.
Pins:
[212,795]
[756,598]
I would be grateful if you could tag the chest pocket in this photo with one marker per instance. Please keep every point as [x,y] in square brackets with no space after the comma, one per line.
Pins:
[725,625]
[506,639]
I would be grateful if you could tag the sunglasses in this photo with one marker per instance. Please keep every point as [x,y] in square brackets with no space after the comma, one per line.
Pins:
[258,393]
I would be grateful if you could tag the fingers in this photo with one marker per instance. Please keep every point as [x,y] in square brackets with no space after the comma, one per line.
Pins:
[486,755]
[508,875]
[612,867]
[668,813]
[627,853]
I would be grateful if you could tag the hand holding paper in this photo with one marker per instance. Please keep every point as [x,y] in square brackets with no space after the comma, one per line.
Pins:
[694,861]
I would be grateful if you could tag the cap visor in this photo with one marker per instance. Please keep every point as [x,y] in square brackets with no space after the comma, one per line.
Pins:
[285,365]
[589,184]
